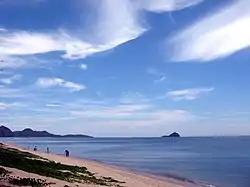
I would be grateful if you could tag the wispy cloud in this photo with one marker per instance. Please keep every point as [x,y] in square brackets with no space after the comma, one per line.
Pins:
[135,115]
[28,43]
[111,112]
[3,106]
[11,79]
[188,94]
[24,61]
[58,82]
[132,97]
[167,5]
[23,43]
[217,35]
[12,92]
[115,23]
[158,75]
[2,30]
[53,105]
[11,62]
[84,66]
[161,79]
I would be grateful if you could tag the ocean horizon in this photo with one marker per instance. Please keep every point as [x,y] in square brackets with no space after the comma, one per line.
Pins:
[217,161]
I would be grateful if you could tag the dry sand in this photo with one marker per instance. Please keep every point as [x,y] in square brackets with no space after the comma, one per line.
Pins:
[131,179]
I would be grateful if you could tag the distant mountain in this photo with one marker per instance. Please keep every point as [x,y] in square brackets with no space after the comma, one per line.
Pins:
[6,132]
[175,134]
[30,133]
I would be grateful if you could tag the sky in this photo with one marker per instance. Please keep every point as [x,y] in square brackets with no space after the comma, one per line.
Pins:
[126,68]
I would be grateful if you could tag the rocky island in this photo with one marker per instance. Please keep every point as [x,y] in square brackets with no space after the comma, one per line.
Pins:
[174,134]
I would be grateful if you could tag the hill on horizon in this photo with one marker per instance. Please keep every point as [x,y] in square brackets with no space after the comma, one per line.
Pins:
[28,132]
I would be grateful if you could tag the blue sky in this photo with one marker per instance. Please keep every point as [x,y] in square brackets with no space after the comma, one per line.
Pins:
[127,67]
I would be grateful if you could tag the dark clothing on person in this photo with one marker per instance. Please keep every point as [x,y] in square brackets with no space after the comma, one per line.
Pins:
[66,153]
[35,148]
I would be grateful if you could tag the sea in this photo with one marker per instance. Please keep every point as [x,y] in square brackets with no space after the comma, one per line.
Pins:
[207,161]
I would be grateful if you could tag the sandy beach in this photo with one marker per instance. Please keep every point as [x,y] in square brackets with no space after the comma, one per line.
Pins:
[131,179]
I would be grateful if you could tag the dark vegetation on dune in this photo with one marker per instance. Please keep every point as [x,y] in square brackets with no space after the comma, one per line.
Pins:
[18,181]
[30,163]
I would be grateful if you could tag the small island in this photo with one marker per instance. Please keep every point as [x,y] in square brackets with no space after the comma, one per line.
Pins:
[6,132]
[174,134]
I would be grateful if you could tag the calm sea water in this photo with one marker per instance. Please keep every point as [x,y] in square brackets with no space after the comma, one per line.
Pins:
[221,161]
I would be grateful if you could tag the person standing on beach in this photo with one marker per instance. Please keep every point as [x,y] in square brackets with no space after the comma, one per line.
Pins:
[35,148]
[47,149]
[66,153]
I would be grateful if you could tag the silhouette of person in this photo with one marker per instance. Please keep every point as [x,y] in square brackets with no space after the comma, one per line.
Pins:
[47,149]
[66,153]
[35,148]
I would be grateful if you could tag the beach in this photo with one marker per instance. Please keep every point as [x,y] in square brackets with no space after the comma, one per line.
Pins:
[128,178]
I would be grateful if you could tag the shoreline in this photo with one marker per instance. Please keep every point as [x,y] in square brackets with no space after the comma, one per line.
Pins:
[131,178]
[171,178]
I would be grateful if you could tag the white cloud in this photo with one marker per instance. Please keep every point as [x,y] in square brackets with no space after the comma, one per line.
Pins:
[159,76]
[11,79]
[23,43]
[219,34]
[116,23]
[25,61]
[98,113]
[84,66]
[12,93]
[132,97]
[11,62]
[188,94]
[135,113]
[28,43]
[3,106]
[2,29]
[58,82]
[114,112]
[53,105]
[161,79]
[167,5]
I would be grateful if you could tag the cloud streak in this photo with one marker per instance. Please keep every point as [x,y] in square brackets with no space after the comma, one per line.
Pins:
[58,82]
[11,79]
[12,62]
[188,94]
[3,106]
[159,76]
[217,35]
[159,6]
[115,24]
